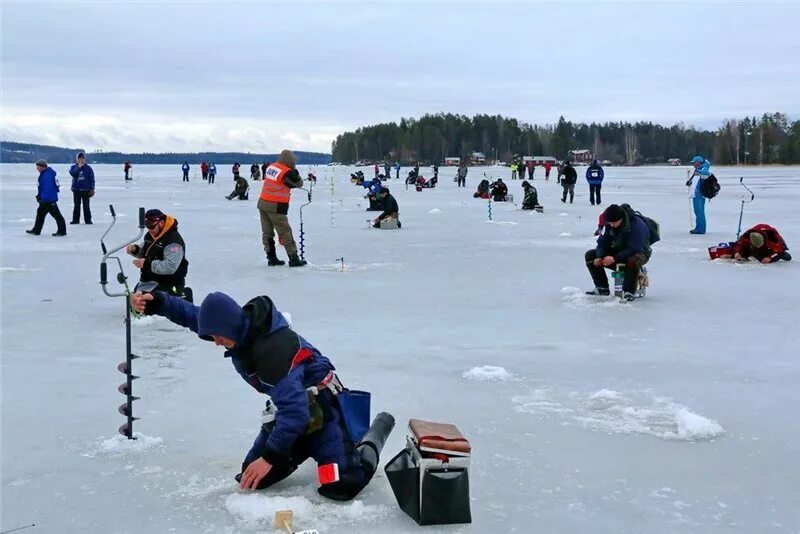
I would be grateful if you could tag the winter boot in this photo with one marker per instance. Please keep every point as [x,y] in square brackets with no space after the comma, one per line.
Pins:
[295,261]
[272,257]
[600,291]
[371,444]
[628,297]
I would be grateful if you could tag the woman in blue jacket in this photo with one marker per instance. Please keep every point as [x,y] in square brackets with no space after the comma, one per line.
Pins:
[702,169]
[47,197]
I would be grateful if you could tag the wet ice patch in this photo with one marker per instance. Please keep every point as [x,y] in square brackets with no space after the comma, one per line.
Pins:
[487,373]
[119,445]
[258,511]
[612,412]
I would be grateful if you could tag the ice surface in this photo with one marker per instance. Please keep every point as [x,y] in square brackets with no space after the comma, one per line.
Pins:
[676,413]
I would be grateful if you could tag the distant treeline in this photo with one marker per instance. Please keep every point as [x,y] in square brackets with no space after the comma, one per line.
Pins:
[29,153]
[771,139]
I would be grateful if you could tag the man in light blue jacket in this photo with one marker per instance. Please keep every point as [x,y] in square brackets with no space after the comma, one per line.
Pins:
[702,169]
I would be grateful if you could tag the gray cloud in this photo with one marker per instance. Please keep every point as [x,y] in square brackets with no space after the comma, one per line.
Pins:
[261,74]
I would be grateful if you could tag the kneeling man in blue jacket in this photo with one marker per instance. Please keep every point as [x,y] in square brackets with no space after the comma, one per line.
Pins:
[304,418]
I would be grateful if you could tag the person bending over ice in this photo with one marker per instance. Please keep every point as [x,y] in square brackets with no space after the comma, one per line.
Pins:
[390,209]
[762,242]
[304,418]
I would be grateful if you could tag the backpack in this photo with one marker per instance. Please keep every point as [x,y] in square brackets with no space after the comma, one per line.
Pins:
[710,187]
[655,229]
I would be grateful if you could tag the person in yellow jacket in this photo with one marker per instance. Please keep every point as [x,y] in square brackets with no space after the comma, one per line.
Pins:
[273,207]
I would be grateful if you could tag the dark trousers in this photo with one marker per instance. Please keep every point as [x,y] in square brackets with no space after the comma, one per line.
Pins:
[211,178]
[52,209]
[632,268]
[185,176]
[462,182]
[568,188]
[330,444]
[126,175]
[594,194]
[81,197]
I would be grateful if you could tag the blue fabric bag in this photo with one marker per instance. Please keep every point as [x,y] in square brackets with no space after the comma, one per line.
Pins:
[355,410]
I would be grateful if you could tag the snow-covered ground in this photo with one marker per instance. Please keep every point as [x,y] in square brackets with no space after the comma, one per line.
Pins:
[677,413]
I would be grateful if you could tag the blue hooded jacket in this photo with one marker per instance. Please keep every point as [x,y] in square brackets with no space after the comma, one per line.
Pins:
[48,186]
[185,166]
[268,355]
[82,177]
[595,174]
[702,172]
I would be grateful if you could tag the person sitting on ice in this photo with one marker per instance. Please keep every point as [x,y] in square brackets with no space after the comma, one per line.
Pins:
[411,179]
[762,242]
[374,187]
[304,418]
[390,209]
[499,191]
[531,200]
[311,177]
[255,172]
[241,189]
[422,183]
[162,255]
[626,240]
[483,190]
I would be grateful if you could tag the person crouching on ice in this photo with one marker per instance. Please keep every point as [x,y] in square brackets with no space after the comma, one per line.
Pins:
[390,209]
[306,420]
[626,240]
[162,255]
[762,242]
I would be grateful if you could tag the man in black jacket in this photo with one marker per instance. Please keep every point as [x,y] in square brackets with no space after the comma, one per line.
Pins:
[162,256]
[390,209]
[568,181]
[499,191]
[626,240]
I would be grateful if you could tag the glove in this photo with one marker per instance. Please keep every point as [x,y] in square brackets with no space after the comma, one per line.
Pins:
[91,193]
[37,198]
[688,182]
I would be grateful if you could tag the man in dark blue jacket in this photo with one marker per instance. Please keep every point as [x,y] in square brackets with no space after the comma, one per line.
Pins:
[626,240]
[47,197]
[594,175]
[185,168]
[304,418]
[82,189]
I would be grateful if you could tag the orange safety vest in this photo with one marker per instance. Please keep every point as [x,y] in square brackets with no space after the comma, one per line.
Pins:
[274,190]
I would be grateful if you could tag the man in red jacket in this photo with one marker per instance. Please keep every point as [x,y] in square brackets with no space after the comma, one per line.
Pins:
[762,242]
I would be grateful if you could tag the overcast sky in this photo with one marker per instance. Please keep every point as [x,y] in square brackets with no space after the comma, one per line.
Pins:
[190,76]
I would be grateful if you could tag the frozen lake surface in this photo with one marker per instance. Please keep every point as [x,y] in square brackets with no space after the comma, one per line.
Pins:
[677,413]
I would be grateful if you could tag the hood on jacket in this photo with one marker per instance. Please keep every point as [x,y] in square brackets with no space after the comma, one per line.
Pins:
[220,315]
[264,316]
[595,163]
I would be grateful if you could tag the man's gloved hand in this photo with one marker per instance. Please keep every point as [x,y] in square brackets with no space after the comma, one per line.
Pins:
[689,182]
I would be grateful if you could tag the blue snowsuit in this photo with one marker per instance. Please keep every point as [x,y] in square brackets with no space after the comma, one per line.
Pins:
[698,200]
[276,361]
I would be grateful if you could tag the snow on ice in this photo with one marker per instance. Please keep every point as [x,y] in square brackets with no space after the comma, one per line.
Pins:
[488,373]
[675,413]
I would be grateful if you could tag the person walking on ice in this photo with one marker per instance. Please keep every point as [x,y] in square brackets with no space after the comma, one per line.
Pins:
[702,169]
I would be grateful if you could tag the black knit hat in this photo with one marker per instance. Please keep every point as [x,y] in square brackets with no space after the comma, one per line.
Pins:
[155,215]
[614,213]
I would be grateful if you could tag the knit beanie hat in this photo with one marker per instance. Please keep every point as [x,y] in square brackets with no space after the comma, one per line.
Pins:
[41,163]
[614,213]
[287,158]
[757,239]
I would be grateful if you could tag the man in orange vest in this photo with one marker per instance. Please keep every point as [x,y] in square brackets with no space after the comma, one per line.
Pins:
[273,207]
